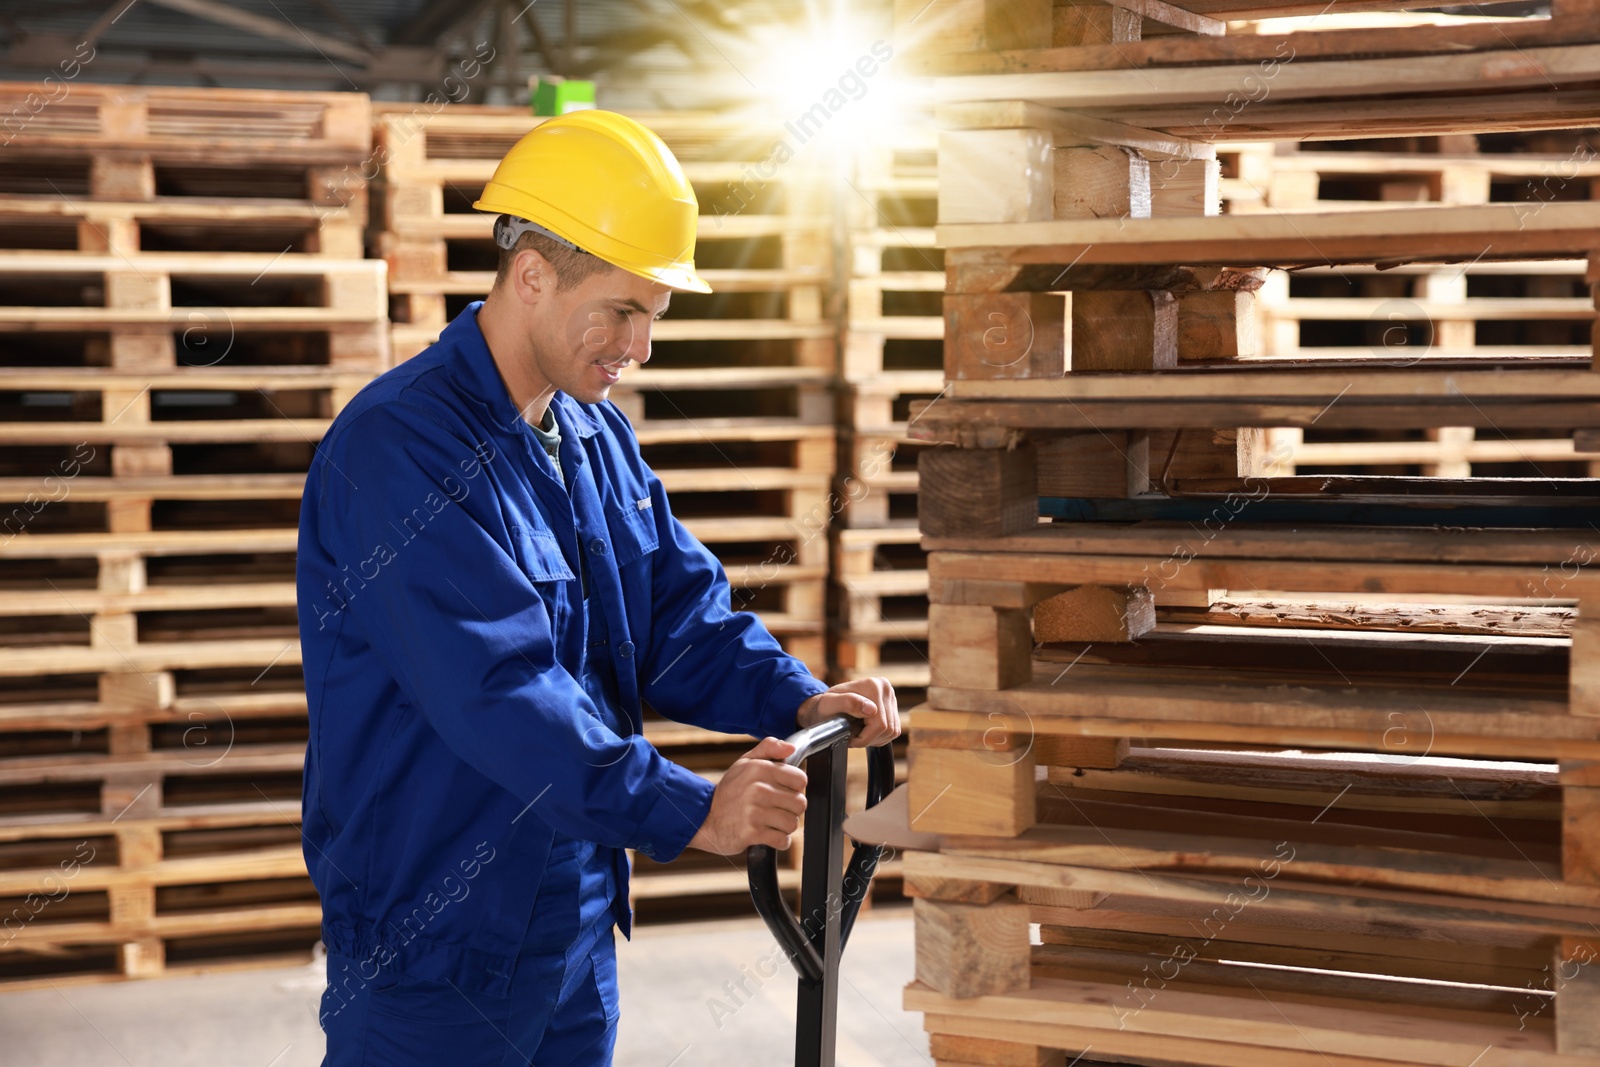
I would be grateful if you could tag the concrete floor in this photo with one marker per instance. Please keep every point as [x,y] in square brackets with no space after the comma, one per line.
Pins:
[678,1008]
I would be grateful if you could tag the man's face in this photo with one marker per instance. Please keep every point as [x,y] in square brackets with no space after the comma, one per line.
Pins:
[586,336]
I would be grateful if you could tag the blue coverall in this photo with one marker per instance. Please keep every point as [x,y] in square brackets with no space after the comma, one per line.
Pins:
[468,790]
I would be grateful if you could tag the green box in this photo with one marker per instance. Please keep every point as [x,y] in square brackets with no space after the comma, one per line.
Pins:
[554,95]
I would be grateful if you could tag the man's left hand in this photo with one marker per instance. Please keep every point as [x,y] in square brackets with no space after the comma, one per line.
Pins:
[868,699]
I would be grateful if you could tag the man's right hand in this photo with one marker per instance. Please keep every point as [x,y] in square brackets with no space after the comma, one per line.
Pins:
[757,802]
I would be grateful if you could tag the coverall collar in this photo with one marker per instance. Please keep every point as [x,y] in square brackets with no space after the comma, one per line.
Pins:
[473,368]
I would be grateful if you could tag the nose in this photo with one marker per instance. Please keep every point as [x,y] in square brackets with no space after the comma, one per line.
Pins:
[639,343]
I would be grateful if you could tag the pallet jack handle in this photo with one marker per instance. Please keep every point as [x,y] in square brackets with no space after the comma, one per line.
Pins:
[830,893]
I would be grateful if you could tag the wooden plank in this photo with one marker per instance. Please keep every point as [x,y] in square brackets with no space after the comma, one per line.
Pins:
[1353,384]
[1308,44]
[1499,231]
[1067,127]
[1107,702]
[1562,66]
[985,423]
[1365,910]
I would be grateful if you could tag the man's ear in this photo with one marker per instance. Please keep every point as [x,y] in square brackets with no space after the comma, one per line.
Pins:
[531,276]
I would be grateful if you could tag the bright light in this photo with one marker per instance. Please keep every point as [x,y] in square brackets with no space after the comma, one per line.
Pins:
[833,85]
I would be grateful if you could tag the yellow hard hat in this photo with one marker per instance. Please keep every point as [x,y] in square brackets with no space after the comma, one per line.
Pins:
[608,185]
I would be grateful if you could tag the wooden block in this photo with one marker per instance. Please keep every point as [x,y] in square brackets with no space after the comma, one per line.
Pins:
[1063,750]
[971,492]
[133,795]
[130,691]
[971,950]
[1293,188]
[362,292]
[1114,464]
[991,1053]
[1216,325]
[136,290]
[1123,330]
[1095,613]
[1181,187]
[979,647]
[1093,23]
[415,261]
[129,738]
[138,846]
[125,407]
[1584,672]
[145,958]
[141,461]
[1101,182]
[1462,185]
[1580,834]
[1005,335]
[995,176]
[1577,987]
[1011,24]
[132,905]
[132,178]
[363,348]
[119,631]
[338,239]
[959,791]
[143,349]
[1201,453]
[116,236]
[1051,896]
[955,890]
[121,572]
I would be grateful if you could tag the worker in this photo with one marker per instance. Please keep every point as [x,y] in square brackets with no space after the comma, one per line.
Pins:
[491,583]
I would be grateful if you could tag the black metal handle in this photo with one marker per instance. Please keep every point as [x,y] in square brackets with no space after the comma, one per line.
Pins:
[828,739]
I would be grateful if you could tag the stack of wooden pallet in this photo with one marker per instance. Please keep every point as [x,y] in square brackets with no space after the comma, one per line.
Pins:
[735,409]
[1285,770]
[186,308]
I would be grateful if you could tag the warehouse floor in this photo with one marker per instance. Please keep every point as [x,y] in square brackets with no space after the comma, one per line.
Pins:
[673,979]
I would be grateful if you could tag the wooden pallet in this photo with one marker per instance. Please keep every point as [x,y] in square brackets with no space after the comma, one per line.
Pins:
[195,125]
[124,168]
[1313,84]
[1263,682]
[1284,894]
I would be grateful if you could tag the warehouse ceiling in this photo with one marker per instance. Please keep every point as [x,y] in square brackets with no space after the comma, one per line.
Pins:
[641,53]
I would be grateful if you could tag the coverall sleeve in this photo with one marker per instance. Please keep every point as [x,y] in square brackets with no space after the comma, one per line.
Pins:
[709,665]
[462,628]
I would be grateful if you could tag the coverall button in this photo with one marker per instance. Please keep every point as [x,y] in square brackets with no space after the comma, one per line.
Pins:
[597,546]
[625,650]
[647,850]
